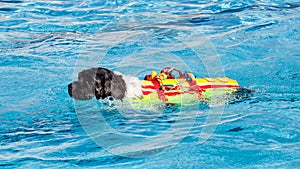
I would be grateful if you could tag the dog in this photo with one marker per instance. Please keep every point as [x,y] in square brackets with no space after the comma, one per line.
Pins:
[103,83]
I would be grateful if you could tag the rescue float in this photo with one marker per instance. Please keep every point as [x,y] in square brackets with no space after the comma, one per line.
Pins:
[164,87]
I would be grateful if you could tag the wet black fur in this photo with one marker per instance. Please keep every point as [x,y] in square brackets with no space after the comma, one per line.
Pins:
[98,82]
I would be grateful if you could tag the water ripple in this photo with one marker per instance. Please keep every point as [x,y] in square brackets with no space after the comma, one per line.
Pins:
[44,43]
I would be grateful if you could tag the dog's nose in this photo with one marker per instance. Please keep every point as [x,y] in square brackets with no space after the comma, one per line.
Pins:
[70,89]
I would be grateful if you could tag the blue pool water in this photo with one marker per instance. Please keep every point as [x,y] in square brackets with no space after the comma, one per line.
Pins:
[44,44]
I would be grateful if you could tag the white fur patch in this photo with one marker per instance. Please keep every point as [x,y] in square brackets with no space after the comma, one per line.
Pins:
[133,86]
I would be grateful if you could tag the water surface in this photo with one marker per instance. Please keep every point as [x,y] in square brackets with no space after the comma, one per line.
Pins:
[44,44]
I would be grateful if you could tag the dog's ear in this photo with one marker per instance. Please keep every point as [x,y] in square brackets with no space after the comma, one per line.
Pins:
[118,87]
[103,81]
[99,89]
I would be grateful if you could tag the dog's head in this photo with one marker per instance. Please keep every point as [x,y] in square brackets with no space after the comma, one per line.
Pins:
[84,88]
[101,83]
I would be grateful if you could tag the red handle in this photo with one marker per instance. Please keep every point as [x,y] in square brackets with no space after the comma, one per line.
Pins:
[170,69]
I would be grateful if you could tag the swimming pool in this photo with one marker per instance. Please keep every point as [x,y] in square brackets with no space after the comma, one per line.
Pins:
[45,43]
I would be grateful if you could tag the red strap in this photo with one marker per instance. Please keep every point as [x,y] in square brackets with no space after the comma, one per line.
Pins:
[160,92]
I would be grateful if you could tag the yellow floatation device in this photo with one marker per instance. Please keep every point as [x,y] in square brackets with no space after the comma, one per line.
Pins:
[164,87]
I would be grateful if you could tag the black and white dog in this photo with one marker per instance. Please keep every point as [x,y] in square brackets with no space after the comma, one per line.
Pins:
[102,83]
